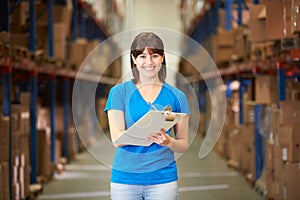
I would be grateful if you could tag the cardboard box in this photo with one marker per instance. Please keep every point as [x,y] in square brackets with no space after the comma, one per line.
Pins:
[249,112]
[19,18]
[4,179]
[115,69]
[25,149]
[25,99]
[24,121]
[44,154]
[270,155]
[274,122]
[248,160]
[16,191]
[4,142]
[77,52]
[62,14]
[289,112]
[19,40]
[270,183]
[60,49]
[73,143]
[279,13]
[291,181]
[241,43]
[248,134]
[292,90]
[279,174]
[59,32]
[257,26]
[289,141]
[266,89]
[225,38]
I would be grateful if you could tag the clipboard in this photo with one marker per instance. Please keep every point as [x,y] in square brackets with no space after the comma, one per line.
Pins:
[151,122]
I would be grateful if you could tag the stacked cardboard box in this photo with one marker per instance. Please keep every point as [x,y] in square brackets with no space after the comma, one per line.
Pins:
[20,147]
[229,45]
[102,116]
[44,155]
[248,141]
[94,57]
[61,28]
[234,134]
[263,33]
[4,158]
[287,152]
[266,89]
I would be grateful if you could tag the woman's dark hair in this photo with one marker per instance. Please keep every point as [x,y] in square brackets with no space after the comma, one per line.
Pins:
[150,41]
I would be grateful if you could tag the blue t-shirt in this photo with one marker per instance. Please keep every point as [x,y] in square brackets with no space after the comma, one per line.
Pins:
[142,165]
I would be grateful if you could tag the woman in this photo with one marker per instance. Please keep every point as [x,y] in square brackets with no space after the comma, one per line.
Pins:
[146,172]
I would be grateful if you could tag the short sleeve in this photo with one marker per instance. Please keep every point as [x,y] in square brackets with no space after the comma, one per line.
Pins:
[183,103]
[115,99]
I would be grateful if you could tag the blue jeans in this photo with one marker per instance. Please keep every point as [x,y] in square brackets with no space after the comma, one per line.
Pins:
[166,191]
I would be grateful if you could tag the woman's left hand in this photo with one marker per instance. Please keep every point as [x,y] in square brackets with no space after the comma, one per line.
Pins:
[161,138]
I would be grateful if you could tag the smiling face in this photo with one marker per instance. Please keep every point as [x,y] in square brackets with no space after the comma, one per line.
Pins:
[147,57]
[148,64]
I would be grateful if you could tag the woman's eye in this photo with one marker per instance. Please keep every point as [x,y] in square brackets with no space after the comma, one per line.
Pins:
[142,56]
[155,55]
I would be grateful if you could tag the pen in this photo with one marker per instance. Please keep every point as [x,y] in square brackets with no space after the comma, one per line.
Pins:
[152,106]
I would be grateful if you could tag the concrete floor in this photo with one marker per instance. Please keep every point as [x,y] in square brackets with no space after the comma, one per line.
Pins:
[208,179]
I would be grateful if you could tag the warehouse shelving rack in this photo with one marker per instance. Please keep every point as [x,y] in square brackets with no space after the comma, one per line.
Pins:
[84,24]
[203,26]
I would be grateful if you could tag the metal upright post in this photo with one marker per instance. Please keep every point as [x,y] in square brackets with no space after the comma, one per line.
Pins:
[217,7]
[255,2]
[66,89]
[6,111]
[50,27]
[281,82]
[83,24]
[241,102]
[228,14]
[258,142]
[240,10]
[74,20]
[228,91]
[33,100]
[33,118]
[52,90]
[31,26]
[4,8]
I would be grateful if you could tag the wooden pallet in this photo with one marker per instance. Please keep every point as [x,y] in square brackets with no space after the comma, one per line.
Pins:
[233,164]
[35,190]
[260,187]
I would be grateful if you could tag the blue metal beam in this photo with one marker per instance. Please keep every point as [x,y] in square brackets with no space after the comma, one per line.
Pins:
[241,102]
[32,25]
[228,4]
[259,152]
[6,111]
[66,100]
[33,131]
[50,27]
[4,19]
[281,84]
[255,2]
[240,10]
[52,90]
[74,20]
[83,24]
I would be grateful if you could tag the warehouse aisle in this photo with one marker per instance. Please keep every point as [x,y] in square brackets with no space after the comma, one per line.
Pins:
[207,179]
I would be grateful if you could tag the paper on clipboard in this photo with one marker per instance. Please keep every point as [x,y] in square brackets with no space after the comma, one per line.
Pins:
[151,122]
